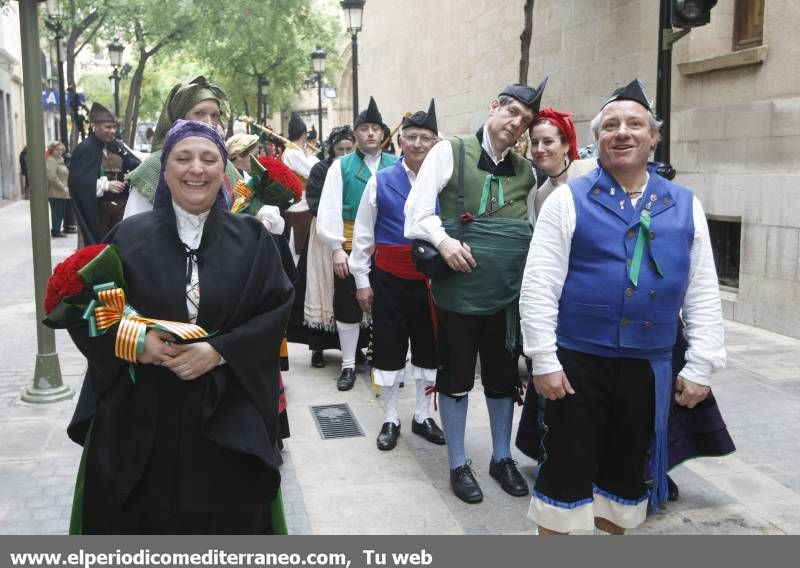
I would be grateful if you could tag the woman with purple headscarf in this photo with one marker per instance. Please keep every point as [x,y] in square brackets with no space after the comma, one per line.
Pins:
[190,446]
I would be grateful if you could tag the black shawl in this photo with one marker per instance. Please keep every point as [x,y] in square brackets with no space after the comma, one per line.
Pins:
[170,444]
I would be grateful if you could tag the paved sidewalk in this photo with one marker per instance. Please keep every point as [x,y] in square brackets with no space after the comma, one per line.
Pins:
[347,486]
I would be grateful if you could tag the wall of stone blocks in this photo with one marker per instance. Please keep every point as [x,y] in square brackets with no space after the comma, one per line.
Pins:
[735,131]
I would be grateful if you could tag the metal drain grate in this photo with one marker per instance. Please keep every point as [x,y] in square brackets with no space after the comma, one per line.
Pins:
[336,421]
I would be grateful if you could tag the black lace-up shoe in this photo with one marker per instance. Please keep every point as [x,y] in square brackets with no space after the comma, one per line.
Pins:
[505,471]
[464,484]
[317,359]
[346,380]
[428,430]
[387,439]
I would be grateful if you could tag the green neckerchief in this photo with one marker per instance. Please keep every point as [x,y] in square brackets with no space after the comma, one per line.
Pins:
[642,241]
[487,192]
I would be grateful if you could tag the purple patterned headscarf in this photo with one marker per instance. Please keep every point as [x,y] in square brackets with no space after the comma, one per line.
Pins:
[180,130]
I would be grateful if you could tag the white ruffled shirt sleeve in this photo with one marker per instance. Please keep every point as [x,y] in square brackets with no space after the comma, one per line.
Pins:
[364,234]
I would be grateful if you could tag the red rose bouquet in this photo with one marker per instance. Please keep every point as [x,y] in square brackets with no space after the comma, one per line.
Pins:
[88,288]
[70,288]
[273,183]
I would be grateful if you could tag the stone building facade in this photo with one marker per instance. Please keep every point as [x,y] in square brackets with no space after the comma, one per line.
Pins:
[735,106]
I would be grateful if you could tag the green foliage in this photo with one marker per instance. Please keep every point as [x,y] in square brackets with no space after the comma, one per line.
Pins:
[231,42]
[244,39]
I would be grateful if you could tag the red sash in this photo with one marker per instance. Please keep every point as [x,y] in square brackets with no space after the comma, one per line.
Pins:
[396,260]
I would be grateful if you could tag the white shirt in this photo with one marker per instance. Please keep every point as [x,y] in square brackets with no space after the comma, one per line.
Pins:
[299,162]
[364,230]
[436,171]
[190,232]
[546,271]
[330,226]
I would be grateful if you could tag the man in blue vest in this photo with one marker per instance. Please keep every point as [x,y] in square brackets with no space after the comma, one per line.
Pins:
[484,240]
[392,290]
[338,206]
[618,256]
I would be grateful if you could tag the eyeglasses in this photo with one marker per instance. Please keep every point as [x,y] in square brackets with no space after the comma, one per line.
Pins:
[412,138]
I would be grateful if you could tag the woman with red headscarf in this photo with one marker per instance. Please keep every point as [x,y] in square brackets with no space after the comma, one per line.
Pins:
[554,148]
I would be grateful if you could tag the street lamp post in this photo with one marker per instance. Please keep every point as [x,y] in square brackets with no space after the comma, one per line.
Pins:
[115,49]
[54,21]
[47,384]
[318,61]
[354,12]
[263,92]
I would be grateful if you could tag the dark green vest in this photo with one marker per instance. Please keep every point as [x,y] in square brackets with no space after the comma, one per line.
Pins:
[515,187]
[355,175]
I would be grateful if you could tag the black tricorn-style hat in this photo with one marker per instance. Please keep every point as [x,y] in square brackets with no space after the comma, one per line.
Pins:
[633,91]
[370,116]
[296,126]
[99,113]
[423,119]
[528,96]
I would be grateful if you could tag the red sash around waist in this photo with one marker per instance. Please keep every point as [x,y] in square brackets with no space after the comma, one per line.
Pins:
[396,260]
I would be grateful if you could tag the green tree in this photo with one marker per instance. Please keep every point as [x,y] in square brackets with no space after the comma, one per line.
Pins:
[244,40]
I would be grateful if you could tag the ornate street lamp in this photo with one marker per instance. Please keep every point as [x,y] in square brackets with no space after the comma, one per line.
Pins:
[115,49]
[354,13]
[329,91]
[54,21]
[318,62]
[263,92]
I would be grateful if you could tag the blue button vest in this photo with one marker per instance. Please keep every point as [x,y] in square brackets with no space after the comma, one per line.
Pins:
[599,305]
[392,191]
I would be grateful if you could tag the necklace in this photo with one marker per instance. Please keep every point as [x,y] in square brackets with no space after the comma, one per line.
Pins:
[559,174]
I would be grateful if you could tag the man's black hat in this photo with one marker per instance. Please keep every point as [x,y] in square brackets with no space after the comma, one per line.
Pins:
[99,113]
[528,96]
[423,119]
[633,91]
[296,126]
[370,116]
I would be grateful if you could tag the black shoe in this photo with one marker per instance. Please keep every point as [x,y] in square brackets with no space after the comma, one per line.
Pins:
[673,493]
[387,439]
[57,234]
[70,230]
[428,430]
[317,359]
[346,380]
[464,484]
[505,471]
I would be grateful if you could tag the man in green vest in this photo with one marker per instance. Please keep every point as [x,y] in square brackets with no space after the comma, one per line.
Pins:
[485,242]
[338,205]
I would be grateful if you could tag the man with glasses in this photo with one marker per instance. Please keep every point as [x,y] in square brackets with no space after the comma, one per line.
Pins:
[394,292]
[483,239]
[338,206]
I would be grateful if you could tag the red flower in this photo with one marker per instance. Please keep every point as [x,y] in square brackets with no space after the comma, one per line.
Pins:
[281,173]
[65,280]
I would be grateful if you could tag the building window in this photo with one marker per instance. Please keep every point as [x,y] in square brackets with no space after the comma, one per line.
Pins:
[748,23]
[726,236]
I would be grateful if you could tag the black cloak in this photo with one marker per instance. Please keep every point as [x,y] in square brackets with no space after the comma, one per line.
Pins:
[84,170]
[162,445]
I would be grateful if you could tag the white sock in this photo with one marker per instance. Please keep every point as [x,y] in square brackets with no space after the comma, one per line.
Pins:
[390,396]
[423,402]
[348,339]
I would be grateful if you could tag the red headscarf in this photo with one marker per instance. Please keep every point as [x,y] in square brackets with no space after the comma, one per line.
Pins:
[563,122]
